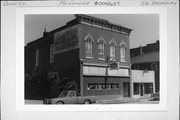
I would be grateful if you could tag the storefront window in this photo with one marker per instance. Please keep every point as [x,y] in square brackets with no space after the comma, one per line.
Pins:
[114,86]
[148,88]
[136,88]
[108,86]
[92,86]
[101,86]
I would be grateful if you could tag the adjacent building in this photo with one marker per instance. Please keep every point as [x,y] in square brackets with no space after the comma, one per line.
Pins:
[146,58]
[143,83]
[91,52]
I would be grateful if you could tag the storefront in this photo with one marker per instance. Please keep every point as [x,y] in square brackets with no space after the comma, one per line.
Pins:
[102,80]
[143,83]
[143,89]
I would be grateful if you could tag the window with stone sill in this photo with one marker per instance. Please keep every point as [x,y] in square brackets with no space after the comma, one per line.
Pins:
[101,43]
[112,49]
[112,52]
[88,46]
[101,48]
[122,52]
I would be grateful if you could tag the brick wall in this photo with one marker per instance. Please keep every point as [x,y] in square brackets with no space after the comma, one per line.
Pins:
[96,33]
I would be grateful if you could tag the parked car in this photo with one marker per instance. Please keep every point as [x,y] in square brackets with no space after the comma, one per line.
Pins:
[70,97]
[155,96]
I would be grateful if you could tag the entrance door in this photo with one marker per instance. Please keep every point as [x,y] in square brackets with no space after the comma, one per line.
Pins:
[126,90]
[141,90]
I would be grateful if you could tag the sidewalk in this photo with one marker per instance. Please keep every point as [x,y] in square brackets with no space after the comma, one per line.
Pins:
[109,99]
[126,100]
[117,101]
[26,102]
[145,101]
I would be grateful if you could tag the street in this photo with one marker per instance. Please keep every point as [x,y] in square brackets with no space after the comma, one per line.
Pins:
[117,101]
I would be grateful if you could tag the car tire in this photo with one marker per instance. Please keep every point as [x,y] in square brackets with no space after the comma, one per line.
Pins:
[59,102]
[87,102]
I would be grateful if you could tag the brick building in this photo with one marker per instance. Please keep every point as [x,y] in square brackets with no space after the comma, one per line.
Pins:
[91,52]
[147,58]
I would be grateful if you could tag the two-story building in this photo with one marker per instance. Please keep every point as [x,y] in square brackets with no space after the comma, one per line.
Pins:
[93,52]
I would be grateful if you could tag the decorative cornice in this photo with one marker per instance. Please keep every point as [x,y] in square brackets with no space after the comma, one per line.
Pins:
[100,23]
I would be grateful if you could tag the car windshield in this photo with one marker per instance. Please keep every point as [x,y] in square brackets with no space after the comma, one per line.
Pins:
[63,94]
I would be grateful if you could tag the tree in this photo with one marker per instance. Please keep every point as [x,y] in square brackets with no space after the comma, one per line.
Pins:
[31,87]
[54,82]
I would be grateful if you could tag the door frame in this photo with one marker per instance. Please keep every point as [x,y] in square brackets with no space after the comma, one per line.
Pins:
[127,84]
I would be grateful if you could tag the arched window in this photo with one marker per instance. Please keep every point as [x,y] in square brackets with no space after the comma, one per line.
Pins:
[122,52]
[88,45]
[101,42]
[112,47]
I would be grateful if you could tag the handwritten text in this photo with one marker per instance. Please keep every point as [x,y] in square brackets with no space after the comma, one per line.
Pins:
[73,3]
[14,3]
[158,3]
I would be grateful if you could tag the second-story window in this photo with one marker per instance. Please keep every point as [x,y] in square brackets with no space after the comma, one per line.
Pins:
[112,52]
[37,57]
[51,53]
[123,52]
[101,48]
[112,47]
[88,46]
[101,42]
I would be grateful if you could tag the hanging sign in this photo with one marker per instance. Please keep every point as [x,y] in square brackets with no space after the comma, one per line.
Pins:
[113,65]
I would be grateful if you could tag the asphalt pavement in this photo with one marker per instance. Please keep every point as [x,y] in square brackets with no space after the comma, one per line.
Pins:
[115,101]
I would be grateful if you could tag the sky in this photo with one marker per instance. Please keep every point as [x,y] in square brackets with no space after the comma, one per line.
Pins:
[145,26]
